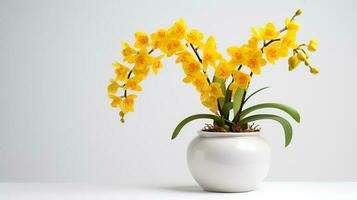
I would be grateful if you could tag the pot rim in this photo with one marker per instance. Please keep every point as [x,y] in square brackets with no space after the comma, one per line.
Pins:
[209,134]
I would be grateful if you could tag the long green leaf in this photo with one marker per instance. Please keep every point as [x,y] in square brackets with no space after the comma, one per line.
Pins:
[238,100]
[250,96]
[226,108]
[228,94]
[228,105]
[194,117]
[288,130]
[289,110]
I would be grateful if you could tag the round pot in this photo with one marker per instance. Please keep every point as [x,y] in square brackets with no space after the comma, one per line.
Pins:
[228,161]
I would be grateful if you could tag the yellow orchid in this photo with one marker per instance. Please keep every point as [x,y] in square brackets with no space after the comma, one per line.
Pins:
[127,104]
[253,43]
[238,55]
[216,90]
[210,54]
[142,71]
[200,83]
[273,52]
[256,34]
[158,39]
[289,40]
[133,83]
[184,57]
[195,37]
[116,101]
[173,46]
[142,59]
[191,67]
[188,79]
[283,51]
[142,40]
[255,61]
[113,87]
[128,52]
[241,80]
[291,25]
[210,102]
[121,71]
[312,45]
[269,32]
[157,64]
[178,30]
[223,70]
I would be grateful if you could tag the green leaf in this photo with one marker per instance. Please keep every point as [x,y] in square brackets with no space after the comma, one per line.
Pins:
[228,95]
[194,117]
[250,96]
[238,100]
[288,130]
[289,110]
[226,108]
[227,102]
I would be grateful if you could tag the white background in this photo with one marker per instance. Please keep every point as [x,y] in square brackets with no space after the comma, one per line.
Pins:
[55,62]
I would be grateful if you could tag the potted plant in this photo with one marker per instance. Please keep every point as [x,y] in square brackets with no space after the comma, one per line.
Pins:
[228,155]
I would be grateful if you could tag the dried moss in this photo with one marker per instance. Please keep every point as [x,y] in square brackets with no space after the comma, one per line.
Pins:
[235,128]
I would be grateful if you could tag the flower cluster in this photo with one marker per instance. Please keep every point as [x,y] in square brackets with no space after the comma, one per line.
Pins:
[198,55]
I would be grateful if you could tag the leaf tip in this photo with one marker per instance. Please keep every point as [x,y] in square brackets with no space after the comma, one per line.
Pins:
[297,117]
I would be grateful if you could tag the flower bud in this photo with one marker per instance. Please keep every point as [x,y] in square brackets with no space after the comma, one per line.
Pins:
[314,70]
[301,56]
[291,68]
[293,62]
[298,12]
[312,45]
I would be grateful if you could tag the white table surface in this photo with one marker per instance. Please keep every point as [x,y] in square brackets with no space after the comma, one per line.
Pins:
[267,190]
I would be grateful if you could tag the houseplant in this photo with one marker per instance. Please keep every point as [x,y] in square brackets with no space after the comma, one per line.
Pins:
[240,158]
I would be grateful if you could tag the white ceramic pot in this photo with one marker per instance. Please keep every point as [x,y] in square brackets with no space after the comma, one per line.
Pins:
[228,162]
